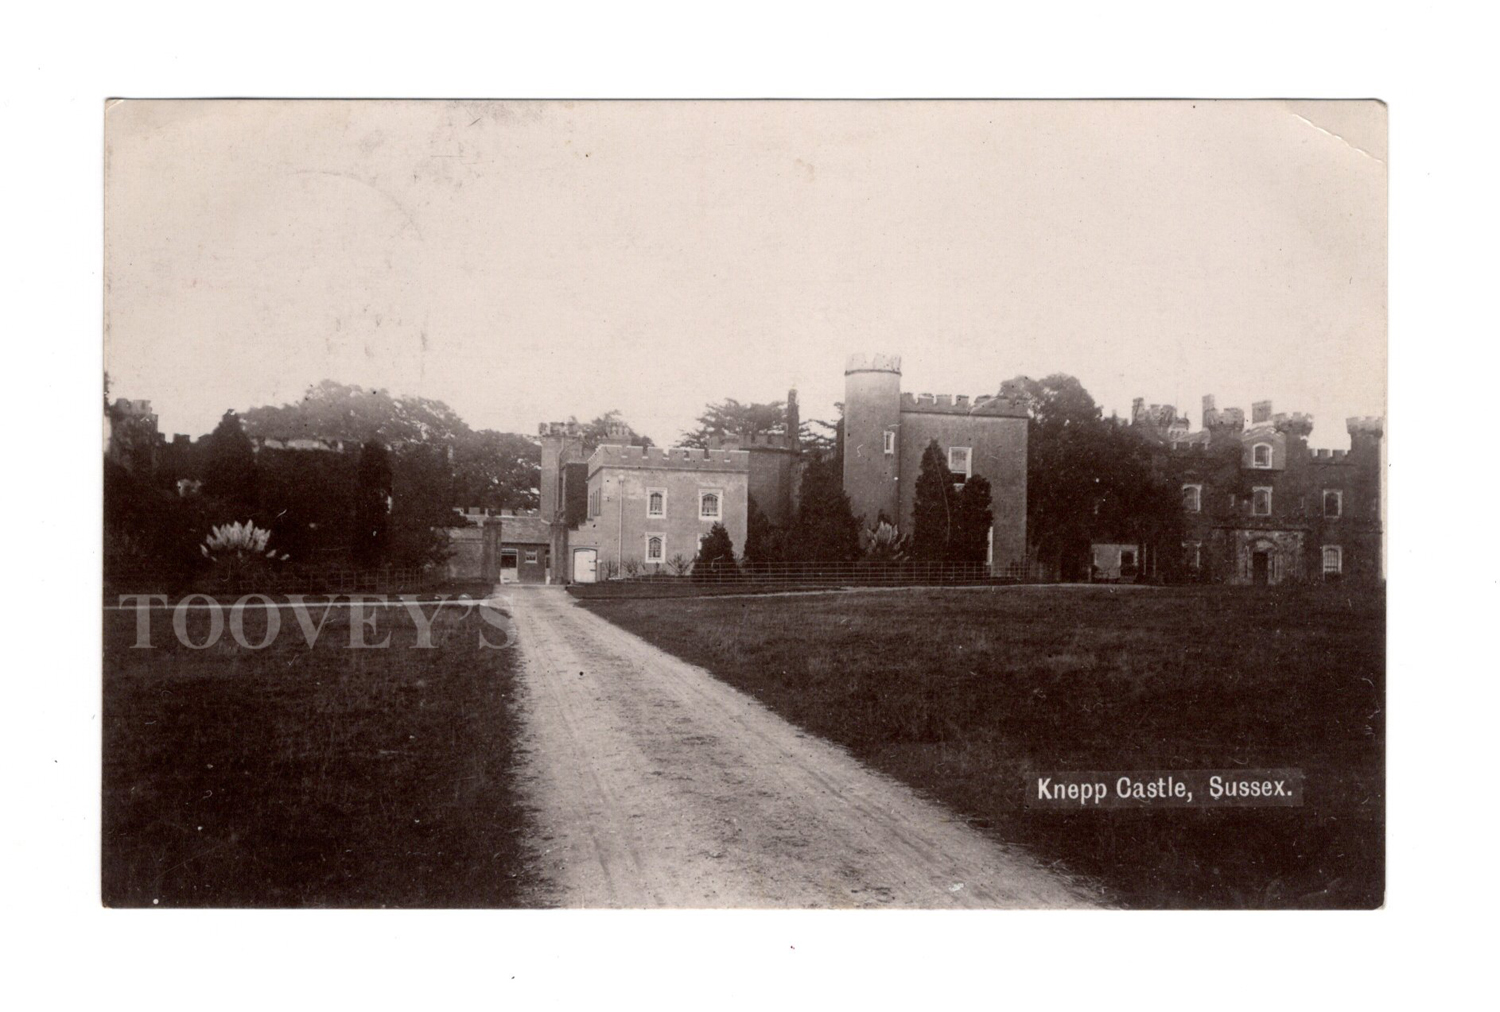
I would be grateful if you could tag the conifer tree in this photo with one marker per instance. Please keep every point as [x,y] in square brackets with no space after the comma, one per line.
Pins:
[715,554]
[372,504]
[934,508]
[229,467]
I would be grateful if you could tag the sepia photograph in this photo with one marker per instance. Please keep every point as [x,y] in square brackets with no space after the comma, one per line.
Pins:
[808,505]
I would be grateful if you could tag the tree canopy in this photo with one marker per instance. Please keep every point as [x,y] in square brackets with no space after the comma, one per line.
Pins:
[1089,478]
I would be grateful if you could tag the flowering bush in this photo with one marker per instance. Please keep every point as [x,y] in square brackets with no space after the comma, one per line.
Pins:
[240,543]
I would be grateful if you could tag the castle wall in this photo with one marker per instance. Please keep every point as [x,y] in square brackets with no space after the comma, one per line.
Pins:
[998,448]
[1225,532]
[621,480]
[878,483]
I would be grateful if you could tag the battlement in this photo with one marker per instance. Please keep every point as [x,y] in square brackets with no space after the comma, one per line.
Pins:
[960,404]
[754,441]
[873,363]
[1228,418]
[1367,425]
[675,458]
[558,429]
[1323,456]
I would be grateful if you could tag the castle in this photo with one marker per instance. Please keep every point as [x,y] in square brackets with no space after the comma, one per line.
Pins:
[646,508]
[1260,506]
[886,432]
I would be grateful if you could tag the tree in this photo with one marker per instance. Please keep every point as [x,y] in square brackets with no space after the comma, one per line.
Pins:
[715,554]
[500,470]
[421,510]
[970,541]
[764,541]
[826,529]
[730,417]
[1089,478]
[229,473]
[934,507]
[372,504]
[597,431]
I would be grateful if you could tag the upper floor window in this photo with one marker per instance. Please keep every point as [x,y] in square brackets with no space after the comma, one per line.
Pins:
[1260,456]
[596,502]
[1333,560]
[656,502]
[708,505]
[1192,498]
[890,442]
[1333,502]
[656,548]
[1261,504]
[958,461]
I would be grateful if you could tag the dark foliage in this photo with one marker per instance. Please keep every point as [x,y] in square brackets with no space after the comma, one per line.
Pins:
[370,540]
[825,529]
[715,554]
[1091,479]
[229,473]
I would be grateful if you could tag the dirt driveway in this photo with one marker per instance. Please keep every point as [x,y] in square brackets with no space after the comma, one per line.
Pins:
[655,785]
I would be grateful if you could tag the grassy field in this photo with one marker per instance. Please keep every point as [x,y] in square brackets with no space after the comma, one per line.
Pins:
[324,777]
[964,693]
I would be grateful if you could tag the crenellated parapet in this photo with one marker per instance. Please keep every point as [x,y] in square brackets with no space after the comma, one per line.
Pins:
[1297,423]
[861,362]
[961,404]
[674,458]
[558,429]
[1324,456]
[1367,425]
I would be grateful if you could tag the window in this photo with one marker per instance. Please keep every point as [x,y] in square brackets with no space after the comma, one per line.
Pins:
[596,502]
[656,548]
[1333,560]
[1333,503]
[1192,498]
[708,504]
[1261,455]
[1192,554]
[958,461]
[531,556]
[890,442]
[656,502]
[1261,505]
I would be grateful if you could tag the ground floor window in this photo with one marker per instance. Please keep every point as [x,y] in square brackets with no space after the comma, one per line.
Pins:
[1333,560]
[531,556]
[656,548]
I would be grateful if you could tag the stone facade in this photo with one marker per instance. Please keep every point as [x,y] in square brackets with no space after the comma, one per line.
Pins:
[649,506]
[886,432]
[1260,505]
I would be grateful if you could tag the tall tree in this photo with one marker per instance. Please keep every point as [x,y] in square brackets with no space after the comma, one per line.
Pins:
[1089,478]
[971,530]
[825,529]
[934,507]
[229,473]
[500,470]
[372,504]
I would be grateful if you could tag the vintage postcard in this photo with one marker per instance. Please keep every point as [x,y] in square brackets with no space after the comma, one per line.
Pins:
[821,504]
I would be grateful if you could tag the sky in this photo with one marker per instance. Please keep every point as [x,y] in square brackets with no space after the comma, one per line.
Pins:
[532,261]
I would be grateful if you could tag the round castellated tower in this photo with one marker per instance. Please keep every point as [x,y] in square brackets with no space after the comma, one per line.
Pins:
[872,407]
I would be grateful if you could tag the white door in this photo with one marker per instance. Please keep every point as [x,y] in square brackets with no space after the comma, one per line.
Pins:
[585,562]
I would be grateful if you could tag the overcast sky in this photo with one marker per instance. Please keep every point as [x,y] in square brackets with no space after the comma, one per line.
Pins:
[531,261]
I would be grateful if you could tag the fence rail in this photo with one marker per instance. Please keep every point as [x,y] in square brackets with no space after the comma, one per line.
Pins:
[289,581]
[861,573]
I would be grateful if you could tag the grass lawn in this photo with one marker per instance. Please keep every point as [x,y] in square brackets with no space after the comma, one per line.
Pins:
[965,693]
[322,777]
